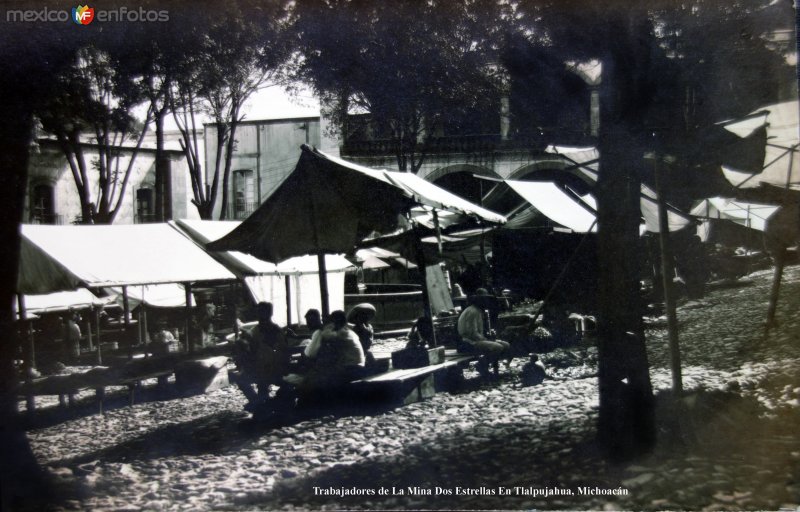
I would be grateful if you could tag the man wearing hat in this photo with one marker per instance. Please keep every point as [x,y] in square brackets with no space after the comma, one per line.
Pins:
[472,330]
[360,316]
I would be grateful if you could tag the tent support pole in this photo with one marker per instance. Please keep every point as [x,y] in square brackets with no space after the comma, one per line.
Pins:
[666,274]
[30,400]
[288,284]
[776,288]
[323,285]
[97,324]
[779,262]
[145,330]
[189,343]
[89,334]
[426,299]
[235,315]
[126,316]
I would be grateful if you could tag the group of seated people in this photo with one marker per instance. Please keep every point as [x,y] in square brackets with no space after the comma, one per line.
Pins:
[338,352]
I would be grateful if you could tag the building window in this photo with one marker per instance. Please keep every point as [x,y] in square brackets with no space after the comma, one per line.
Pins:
[145,206]
[42,205]
[244,193]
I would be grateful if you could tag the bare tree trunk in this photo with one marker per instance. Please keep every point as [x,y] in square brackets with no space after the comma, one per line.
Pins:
[163,178]
[230,147]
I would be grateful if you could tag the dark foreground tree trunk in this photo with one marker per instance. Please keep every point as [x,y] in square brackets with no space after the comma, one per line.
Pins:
[22,482]
[626,424]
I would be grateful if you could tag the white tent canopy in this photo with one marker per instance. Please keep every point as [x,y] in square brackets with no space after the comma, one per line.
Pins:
[167,295]
[204,231]
[67,257]
[266,281]
[751,215]
[556,204]
[782,160]
[62,301]
[586,161]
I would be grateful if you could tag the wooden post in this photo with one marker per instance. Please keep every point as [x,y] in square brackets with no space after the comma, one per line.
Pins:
[776,288]
[235,312]
[189,343]
[89,334]
[126,316]
[287,280]
[145,331]
[323,285]
[30,401]
[426,299]
[667,272]
[99,341]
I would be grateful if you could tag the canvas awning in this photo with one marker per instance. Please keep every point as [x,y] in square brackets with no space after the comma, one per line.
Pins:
[327,205]
[62,301]
[167,295]
[205,231]
[782,159]
[648,204]
[751,215]
[556,204]
[57,258]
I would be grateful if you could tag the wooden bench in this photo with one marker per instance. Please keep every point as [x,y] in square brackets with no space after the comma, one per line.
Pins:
[131,375]
[411,385]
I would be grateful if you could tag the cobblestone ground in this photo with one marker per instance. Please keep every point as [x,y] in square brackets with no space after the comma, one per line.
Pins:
[731,444]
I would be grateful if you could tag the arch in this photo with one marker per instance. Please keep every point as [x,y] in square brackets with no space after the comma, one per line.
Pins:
[440,172]
[550,163]
[555,169]
[460,179]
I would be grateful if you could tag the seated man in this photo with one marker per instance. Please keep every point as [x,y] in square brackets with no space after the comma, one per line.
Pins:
[315,325]
[337,358]
[263,357]
[163,341]
[472,330]
[361,317]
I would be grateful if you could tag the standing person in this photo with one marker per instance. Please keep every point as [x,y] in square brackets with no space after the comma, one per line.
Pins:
[72,337]
[472,330]
[263,357]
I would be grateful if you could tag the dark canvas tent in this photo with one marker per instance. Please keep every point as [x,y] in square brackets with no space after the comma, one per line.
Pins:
[327,205]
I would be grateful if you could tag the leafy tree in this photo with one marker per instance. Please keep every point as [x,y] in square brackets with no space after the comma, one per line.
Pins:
[93,102]
[231,60]
[415,67]
[651,54]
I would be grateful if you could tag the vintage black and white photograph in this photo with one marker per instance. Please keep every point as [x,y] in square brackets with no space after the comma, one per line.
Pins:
[264,255]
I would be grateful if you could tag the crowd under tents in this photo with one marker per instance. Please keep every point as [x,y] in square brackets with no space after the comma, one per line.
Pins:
[59,258]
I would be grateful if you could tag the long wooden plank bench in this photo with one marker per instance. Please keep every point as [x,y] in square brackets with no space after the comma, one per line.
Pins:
[411,385]
[132,374]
